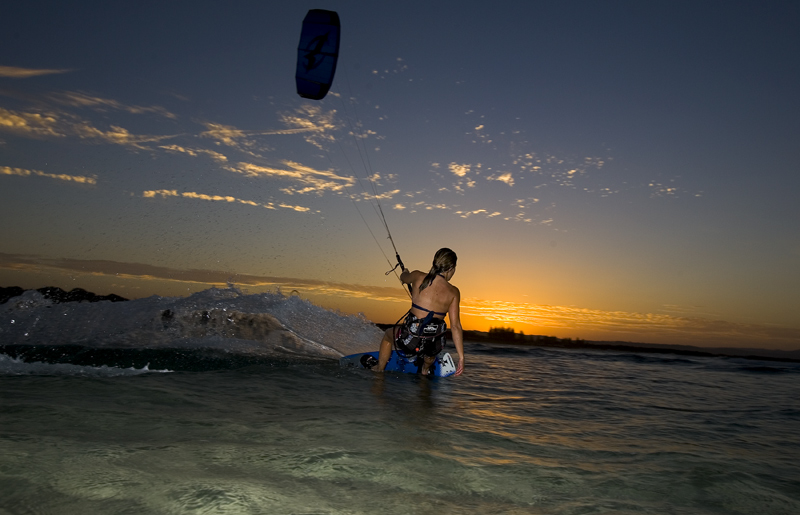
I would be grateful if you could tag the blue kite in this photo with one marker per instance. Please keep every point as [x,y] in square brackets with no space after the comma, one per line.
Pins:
[317,53]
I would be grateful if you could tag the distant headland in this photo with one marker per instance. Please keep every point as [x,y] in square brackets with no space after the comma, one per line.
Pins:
[508,336]
[57,295]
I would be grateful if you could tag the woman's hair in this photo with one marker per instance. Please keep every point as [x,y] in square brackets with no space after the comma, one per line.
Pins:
[443,260]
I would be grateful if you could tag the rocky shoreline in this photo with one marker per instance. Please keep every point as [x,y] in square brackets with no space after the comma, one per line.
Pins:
[57,295]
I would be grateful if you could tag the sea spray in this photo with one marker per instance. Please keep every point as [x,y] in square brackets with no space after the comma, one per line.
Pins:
[222,319]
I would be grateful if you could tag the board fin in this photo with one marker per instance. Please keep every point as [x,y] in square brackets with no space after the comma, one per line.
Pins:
[448,367]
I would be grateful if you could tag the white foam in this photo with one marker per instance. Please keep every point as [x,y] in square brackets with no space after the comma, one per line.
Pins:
[220,318]
[13,366]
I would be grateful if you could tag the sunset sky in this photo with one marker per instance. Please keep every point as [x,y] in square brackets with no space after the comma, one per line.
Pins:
[618,170]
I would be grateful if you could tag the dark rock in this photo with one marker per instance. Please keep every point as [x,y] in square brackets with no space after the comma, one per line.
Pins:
[57,295]
[7,293]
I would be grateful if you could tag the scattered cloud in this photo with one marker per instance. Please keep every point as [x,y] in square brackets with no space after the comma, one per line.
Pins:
[230,135]
[462,171]
[480,134]
[225,134]
[310,179]
[80,179]
[31,124]
[657,189]
[317,123]
[236,138]
[512,160]
[467,214]
[24,73]
[388,195]
[194,152]
[221,198]
[399,66]
[78,99]
[59,124]
[502,177]
[116,135]
[459,170]
[245,140]
[509,160]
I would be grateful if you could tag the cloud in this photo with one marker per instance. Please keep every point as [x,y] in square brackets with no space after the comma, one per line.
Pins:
[311,180]
[661,190]
[467,214]
[480,134]
[313,120]
[315,124]
[388,195]
[5,170]
[515,163]
[398,68]
[225,134]
[243,140]
[504,177]
[77,99]
[194,152]
[427,206]
[23,73]
[459,170]
[125,270]
[31,124]
[221,198]
[60,124]
[117,135]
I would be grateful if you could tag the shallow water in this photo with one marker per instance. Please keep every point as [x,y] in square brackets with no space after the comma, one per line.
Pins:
[545,431]
[524,430]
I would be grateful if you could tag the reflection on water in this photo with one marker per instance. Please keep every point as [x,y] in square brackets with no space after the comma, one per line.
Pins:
[546,431]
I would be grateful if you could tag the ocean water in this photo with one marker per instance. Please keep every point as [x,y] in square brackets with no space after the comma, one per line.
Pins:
[224,402]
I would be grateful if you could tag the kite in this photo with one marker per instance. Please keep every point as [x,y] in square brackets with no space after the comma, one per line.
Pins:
[317,53]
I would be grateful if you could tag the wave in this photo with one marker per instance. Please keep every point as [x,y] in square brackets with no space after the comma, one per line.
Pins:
[214,324]
[14,366]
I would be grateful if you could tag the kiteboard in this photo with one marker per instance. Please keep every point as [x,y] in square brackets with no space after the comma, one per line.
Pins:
[442,367]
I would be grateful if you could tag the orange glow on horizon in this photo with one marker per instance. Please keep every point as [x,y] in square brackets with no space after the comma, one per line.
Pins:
[386,305]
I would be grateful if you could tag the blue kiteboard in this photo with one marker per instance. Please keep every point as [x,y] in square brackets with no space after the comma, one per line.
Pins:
[443,367]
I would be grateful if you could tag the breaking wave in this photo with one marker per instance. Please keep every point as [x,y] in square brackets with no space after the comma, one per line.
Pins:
[214,328]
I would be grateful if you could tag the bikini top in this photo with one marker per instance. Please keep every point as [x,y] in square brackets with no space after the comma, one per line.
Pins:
[429,311]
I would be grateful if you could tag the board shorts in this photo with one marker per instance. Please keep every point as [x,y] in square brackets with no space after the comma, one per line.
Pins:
[413,340]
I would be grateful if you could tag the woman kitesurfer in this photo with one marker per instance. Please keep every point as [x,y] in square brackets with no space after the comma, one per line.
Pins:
[421,333]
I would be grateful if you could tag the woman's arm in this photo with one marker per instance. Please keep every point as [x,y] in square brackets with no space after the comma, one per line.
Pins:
[408,277]
[455,329]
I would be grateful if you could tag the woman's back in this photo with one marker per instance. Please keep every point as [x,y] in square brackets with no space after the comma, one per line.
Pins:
[438,296]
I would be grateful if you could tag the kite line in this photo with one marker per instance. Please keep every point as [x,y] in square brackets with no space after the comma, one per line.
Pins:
[317,56]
